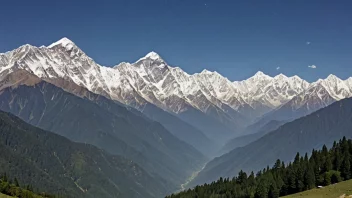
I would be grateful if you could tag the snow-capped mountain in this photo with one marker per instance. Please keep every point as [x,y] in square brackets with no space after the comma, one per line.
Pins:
[265,93]
[317,95]
[172,89]
[151,80]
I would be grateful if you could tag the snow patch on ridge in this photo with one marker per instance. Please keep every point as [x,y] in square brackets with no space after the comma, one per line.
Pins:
[64,42]
[153,80]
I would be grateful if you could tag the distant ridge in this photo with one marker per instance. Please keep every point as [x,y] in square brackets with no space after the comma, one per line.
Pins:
[301,135]
[221,109]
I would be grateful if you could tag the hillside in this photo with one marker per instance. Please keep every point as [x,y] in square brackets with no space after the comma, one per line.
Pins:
[302,135]
[332,191]
[53,164]
[10,187]
[323,168]
[251,136]
[106,125]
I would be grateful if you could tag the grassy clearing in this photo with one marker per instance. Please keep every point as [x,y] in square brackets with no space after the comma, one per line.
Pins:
[4,196]
[333,191]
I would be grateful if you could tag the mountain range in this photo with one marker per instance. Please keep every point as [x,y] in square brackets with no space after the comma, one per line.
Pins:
[208,101]
[165,121]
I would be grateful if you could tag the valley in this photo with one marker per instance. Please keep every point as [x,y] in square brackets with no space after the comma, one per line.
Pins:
[175,99]
[149,121]
[190,179]
[329,170]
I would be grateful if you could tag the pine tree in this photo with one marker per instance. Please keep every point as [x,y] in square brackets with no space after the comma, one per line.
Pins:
[309,178]
[16,182]
[292,187]
[4,178]
[277,165]
[346,167]
[296,161]
[327,163]
[321,168]
[273,191]
[262,189]
[242,178]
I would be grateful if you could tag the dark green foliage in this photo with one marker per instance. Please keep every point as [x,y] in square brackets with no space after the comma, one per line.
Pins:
[16,182]
[304,173]
[48,162]
[15,190]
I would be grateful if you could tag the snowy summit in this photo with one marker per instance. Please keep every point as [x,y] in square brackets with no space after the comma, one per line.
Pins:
[63,42]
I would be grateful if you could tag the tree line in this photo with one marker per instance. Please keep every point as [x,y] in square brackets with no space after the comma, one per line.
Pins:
[13,188]
[322,168]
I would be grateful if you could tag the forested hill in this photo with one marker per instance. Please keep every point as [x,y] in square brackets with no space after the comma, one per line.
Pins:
[324,167]
[12,188]
[53,164]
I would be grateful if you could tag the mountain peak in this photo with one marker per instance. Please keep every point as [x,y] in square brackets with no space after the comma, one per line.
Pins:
[123,64]
[205,71]
[153,55]
[333,77]
[296,77]
[26,46]
[63,42]
[260,75]
[280,76]
[318,82]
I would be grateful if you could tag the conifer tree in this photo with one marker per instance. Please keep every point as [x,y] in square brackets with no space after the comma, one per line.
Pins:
[346,166]
[304,173]
[16,182]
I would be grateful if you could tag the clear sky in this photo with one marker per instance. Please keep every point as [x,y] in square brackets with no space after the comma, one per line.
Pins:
[234,37]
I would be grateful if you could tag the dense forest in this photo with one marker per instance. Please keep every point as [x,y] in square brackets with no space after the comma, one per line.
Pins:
[54,164]
[13,188]
[322,168]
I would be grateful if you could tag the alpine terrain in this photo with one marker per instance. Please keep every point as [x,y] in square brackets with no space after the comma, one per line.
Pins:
[165,121]
[108,126]
[210,102]
[302,135]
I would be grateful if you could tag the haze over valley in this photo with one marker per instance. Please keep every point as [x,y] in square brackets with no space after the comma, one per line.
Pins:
[169,122]
[228,99]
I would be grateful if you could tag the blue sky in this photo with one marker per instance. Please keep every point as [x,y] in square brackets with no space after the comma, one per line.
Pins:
[235,38]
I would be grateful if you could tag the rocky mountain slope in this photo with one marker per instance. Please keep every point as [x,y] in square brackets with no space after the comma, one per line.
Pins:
[317,95]
[217,107]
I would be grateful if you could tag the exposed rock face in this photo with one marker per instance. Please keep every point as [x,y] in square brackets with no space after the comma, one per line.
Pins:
[229,106]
